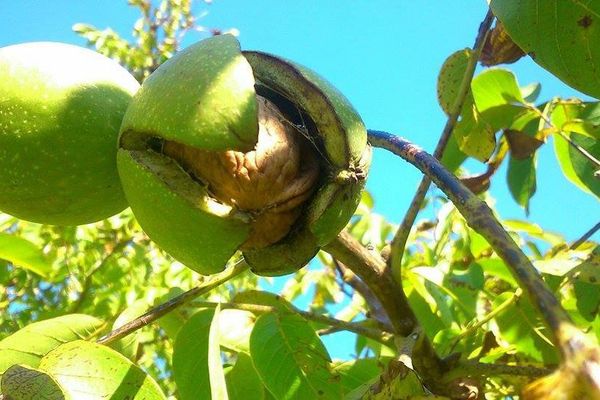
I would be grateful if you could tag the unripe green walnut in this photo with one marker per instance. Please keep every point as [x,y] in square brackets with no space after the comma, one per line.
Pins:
[61,107]
[223,150]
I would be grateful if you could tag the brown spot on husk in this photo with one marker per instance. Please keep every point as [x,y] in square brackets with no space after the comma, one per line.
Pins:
[585,21]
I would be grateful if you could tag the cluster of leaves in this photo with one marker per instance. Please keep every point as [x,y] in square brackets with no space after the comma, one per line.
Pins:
[64,287]
[246,342]
[496,103]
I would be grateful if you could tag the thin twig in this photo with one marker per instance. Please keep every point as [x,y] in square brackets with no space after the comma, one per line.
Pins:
[375,307]
[356,327]
[481,218]
[488,317]
[401,237]
[156,312]
[586,154]
[585,237]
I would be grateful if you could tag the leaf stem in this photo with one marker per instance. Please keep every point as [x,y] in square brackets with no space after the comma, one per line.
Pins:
[156,312]
[87,283]
[586,154]
[580,149]
[488,317]
[481,218]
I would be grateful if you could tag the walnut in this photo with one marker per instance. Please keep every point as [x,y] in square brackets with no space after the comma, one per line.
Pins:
[271,182]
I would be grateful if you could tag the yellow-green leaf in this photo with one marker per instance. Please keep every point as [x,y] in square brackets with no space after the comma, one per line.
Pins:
[23,253]
[92,371]
[28,345]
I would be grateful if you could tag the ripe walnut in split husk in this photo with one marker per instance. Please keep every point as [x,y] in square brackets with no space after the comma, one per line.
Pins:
[223,150]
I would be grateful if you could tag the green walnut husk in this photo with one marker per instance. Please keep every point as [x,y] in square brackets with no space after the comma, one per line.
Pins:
[61,107]
[223,150]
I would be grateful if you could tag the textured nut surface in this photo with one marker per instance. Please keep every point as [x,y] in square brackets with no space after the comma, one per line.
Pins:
[270,182]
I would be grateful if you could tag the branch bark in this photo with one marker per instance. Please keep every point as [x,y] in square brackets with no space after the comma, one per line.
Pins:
[155,313]
[356,327]
[480,217]
[371,270]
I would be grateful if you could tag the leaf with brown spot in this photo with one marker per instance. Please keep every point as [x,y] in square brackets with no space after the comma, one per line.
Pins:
[92,371]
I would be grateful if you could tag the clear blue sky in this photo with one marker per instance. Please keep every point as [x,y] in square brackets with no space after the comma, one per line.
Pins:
[384,55]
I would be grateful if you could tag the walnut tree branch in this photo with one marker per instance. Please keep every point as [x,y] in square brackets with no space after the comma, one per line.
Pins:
[155,313]
[481,218]
[370,268]
[356,327]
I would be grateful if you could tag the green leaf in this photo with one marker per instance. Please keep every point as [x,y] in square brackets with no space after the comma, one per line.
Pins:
[23,383]
[531,92]
[589,270]
[533,230]
[588,299]
[450,78]
[560,35]
[197,365]
[495,267]
[218,387]
[498,98]
[521,177]
[291,360]
[243,381]
[520,327]
[93,371]
[453,156]
[235,327]
[28,345]
[578,117]
[576,167]
[356,373]
[23,253]
[474,136]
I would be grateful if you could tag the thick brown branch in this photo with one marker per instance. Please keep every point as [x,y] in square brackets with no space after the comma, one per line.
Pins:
[371,270]
[480,217]
[375,307]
